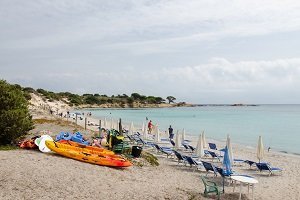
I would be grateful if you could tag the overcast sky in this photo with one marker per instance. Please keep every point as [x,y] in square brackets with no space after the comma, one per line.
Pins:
[200,51]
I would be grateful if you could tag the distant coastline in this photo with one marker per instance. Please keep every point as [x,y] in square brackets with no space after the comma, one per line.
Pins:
[135,105]
[162,105]
[226,104]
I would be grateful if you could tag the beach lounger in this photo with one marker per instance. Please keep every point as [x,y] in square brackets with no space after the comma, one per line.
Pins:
[186,147]
[206,153]
[193,162]
[210,187]
[181,158]
[166,150]
[267,167]
[249,162]
[212,146]
[209,167]
[191,148]
[144,143]
[222,172]
[214,155]
[131,139]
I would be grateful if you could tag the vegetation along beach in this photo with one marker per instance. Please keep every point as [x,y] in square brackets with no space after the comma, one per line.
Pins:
[156,100]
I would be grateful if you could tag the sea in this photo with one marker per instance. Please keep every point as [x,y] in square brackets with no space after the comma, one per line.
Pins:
[279,125]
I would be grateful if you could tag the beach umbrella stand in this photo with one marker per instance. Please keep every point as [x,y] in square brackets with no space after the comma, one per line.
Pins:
[260,149]
[226,167]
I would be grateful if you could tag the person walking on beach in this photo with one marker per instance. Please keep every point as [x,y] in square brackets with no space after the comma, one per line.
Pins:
[150,127]
[171,134]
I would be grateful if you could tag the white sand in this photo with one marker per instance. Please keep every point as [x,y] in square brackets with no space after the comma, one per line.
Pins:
[30,174]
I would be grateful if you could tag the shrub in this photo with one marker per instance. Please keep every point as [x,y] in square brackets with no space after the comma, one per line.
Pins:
[29,90]
[15,120]
[91,100]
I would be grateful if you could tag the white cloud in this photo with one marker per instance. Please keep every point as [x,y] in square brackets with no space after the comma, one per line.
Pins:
[222,73]
[131,24]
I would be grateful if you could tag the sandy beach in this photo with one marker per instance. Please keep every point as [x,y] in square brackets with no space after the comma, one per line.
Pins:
[30,174]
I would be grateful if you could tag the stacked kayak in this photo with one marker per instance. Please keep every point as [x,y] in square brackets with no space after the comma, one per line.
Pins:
[88,154]
[89,149]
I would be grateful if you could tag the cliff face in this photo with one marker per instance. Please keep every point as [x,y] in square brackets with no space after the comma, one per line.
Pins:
[39,106]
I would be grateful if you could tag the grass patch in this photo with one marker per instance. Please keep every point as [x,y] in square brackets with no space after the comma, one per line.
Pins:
[150,158]
[145,157]
[8,147]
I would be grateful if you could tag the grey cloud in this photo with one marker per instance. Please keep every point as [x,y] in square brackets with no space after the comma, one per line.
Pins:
[152,47]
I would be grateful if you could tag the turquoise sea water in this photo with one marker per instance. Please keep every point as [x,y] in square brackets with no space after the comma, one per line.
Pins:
[278,124]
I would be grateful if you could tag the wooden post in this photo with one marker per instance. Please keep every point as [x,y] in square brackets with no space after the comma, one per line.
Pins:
[99,128]
[85,123]
[76,119]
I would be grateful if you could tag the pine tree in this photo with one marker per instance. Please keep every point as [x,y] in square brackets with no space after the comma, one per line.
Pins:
[171,99]
[15,119]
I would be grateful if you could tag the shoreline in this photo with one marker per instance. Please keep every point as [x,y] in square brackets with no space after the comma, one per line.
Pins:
[163,105]
[218,141]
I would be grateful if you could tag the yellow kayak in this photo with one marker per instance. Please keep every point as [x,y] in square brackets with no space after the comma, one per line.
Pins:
[87,156]
[88,148]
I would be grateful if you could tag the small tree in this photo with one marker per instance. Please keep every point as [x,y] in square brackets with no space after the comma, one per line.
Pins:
[171,99]
[136,96]
[15,119]
[159,100]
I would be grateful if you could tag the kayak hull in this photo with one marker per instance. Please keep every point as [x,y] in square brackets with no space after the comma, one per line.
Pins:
[78,153]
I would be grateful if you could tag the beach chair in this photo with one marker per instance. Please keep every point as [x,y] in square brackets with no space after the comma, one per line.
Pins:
[186,147]
[224,175]
[206,153]
[212,146]
[192,163]
[181,158]
[209,167]
[191,148]
[145,144]
[249,162]
[214,155]
[131,139]
[165,150]
[267,167]
[222,172]
[210,187]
